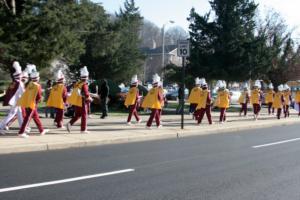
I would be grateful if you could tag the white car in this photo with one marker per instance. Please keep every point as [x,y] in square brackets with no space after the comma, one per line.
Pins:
[234,96]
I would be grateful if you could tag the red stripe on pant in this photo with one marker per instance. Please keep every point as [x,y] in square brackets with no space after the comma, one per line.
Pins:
[154,114]
[256,108]
[222,114]
[244,108]
[80,112]
[59,117]
[200,114]
[15,117]
[133,111]
[35,116]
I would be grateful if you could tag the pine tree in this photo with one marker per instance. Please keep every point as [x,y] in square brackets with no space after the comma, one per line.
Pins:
[221,48]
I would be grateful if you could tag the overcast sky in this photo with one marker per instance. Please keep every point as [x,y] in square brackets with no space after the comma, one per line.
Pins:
[161,11]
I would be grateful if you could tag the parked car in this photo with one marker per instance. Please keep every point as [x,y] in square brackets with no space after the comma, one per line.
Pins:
[234,96]
[173,94]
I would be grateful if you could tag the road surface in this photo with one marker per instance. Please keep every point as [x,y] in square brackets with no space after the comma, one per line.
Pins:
[255,164]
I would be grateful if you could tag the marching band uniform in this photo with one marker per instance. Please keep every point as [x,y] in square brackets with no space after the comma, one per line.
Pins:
[203,104]
[223,99]
[287,100]
[29,100]
[269,98]
[13,94]
[162,103]
[297,99]
[256,98]
[79,99]
[57,99]
[132,99]
[278,101]
[244,100]
[153,100]
[24,79]
[194,96]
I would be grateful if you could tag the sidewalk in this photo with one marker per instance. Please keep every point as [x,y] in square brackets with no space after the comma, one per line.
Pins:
[114,130]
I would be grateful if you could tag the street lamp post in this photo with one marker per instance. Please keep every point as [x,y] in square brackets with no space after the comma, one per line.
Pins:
[163,48]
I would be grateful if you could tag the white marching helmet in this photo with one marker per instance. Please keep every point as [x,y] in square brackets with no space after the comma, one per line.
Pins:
[18,69]
[155,79]
[30,68]
[246,86]
[84,73]
[197,81]
[286,87]
[221,84]
[59,75]
[257,84]
[203,82]
[34,75]
[270,86]
[280,88]
[134,80]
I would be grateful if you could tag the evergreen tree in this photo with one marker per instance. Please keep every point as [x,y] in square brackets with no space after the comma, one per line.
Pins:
[222,47]
[45,30]
[114,52]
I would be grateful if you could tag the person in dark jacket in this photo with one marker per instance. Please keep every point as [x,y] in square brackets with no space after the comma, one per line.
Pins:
[103,93]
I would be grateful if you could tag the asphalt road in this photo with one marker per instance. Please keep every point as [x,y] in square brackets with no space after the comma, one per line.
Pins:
[222,166]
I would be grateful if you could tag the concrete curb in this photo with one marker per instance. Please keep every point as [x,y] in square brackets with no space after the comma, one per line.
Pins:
[46,146]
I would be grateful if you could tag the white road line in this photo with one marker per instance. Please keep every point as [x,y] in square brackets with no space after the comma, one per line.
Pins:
[65,180]
[275,143]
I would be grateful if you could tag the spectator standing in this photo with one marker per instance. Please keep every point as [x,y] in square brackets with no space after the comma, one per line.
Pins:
[104,92]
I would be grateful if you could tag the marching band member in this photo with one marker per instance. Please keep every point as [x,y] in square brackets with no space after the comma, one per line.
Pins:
[278,102]
[287,100]
[13,94]
[161,90]
[153,100]
[223,99]
[244,100]
[24,79]
[256,98]
[297,100]
[57,99]
[29,100]
[203,104]
[79,99]
[132,100]
[269,98]
[194,96]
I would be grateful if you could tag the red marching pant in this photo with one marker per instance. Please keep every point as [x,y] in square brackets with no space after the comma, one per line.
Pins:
[154,114]
[35,116]
[256,108]
[200,114]
[133,111]
[286,110]
[278,113]
[269,108]
[80,112]
[59,117]
[222,114]
[244,108]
